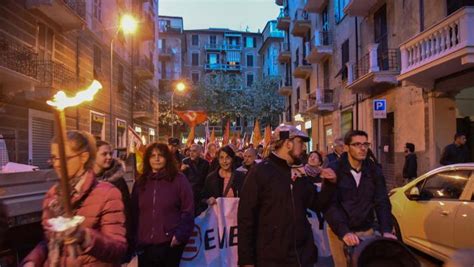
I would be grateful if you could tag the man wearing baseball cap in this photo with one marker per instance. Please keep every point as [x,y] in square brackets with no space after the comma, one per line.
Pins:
[273,227]
[173,145]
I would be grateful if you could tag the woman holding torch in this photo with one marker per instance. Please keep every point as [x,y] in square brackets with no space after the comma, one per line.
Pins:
[100,239]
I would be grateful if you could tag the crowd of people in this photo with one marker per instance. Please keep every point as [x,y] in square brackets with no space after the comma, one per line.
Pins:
[275,185]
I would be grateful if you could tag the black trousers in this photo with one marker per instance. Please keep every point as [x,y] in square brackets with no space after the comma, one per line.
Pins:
[160,256]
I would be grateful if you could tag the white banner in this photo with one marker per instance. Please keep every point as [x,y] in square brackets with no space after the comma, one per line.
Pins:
[214,239]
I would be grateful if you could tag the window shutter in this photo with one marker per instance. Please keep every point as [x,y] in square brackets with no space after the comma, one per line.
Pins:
[254,42]
[42,131]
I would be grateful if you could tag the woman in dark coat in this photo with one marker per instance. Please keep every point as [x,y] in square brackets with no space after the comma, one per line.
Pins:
[112,170]
[162,209]
[224,181]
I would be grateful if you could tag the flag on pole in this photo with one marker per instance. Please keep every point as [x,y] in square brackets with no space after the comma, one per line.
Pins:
[225,138]
[268,135]
[257,136]
[191,137]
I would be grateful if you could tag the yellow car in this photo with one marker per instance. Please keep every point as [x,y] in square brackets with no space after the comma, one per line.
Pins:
[434,213]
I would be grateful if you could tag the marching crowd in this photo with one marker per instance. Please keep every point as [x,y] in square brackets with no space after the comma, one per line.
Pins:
[276,186]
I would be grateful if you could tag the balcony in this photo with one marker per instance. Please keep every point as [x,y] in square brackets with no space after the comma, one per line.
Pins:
[165,54]
[69,14]
[321,46]
[301,106]
[143,110]
[315,6]
[144,68]
[320,101]
[285,54]
[285,88]
[166,28]
[213,47]
[232,47]
[283,20]
[444,49]
[147,26]
[375,70]
[18,69]
[301,23]
[359,7]
[302,69]
[233,67]
[214,67]
[52,76]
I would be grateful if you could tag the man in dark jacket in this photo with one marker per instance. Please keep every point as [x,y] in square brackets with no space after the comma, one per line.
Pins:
[273,227]
[456,152]
[196,170]
[338,149]
[250,156]
[410,167]
[173,145]
[360,192]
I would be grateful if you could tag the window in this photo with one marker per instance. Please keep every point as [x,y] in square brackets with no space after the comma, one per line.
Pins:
[326,74]
[98,9]
[249,60]
[164,71]
[120,78]
[212,58]
[445,185]
[195,77]
[195,59]
[454,5]
[121,132]
[195,40]
[308,85]
[213,39]
[151,135]
[45,41]
[41,127]
[249,79]
[345,59]
[97,61]
[339,6]
[97,125]
[346,122]
[249,42]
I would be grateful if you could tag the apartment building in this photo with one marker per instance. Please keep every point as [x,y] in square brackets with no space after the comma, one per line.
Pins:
[51,45]
[417,55]
[272,38]
[170,50]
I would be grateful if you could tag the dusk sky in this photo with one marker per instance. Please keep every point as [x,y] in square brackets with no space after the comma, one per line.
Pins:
[232,14]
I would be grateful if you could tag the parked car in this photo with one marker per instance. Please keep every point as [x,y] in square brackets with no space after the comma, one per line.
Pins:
[434,213]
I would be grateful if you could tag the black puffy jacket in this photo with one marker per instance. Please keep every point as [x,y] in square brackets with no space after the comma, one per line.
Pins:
[273,227]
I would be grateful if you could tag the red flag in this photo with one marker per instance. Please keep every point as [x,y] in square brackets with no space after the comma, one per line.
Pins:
[190,137]
[225,138]
[192,118]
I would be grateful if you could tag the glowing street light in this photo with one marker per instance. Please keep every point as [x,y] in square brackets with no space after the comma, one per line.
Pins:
[180,87]
[128,25]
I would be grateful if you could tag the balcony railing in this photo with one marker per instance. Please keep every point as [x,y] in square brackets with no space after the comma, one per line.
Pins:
[285,55]
[213,46]
[283,20]
[285,88]
[69,14]
[17,57]
[386,61]
[55,75]
[375,69]
[165,28]
[439,51]
[301,24]
[165,53]
[321,46]
[232,46]
[214,66]
[144,67]
[315,6]
[143,110]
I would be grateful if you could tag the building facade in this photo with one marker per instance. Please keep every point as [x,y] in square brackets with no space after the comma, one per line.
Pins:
[272,38]
[50,45]
[358,51]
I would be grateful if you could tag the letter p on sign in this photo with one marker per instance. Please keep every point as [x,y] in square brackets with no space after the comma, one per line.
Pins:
[380,109]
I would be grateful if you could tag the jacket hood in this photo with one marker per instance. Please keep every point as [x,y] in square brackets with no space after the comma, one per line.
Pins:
[115,172]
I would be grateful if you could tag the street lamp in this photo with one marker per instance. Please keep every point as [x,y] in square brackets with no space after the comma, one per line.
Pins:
[180,87]
[128,25]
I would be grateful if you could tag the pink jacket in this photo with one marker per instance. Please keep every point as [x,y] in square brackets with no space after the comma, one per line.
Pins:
[104,222]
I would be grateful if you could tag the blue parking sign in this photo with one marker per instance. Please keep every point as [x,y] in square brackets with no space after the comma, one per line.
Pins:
[380,109]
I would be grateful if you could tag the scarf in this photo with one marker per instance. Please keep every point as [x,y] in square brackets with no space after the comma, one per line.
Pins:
[311,170]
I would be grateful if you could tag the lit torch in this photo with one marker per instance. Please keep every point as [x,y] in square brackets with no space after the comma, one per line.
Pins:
[61,101]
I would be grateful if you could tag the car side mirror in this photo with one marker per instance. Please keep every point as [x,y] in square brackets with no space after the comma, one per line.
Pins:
[414,193]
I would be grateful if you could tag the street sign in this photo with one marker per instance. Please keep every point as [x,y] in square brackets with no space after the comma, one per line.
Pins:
[380,108]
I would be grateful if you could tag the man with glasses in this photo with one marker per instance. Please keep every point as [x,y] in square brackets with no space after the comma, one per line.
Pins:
[361,192]
[196,169]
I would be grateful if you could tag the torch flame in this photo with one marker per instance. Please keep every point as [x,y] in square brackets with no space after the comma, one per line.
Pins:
[62,101]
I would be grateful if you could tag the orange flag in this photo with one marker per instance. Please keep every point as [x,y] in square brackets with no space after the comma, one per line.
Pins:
[192,118]
[225,138]
[257,136]
[191,137]
[268,135]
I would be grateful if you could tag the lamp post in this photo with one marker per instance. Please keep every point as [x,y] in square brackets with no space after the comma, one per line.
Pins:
[128,25]
[180,87]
